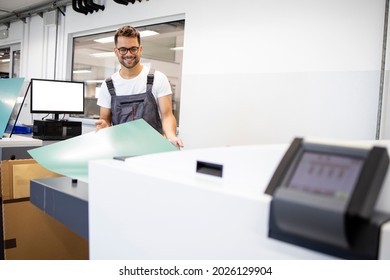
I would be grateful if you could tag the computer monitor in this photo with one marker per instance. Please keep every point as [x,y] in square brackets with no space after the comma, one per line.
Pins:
[56,97]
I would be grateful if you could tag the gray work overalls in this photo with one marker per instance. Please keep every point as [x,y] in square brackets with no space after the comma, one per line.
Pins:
[127,108]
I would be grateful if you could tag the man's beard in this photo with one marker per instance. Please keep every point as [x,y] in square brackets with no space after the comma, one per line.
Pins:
[130,65]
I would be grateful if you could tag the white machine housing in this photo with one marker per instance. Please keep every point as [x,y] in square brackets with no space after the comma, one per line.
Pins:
[158,207]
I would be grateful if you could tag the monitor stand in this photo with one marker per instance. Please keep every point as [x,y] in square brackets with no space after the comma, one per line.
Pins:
[56,117]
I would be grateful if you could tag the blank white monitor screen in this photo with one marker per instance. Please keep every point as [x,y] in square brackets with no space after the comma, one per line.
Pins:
[55,96]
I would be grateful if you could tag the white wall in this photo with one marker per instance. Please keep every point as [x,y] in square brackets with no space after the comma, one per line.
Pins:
[255,71]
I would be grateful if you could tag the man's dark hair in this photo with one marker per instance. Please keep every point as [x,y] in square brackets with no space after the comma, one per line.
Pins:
[127,31]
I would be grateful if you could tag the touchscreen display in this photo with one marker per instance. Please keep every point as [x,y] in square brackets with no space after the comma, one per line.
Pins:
[326,174]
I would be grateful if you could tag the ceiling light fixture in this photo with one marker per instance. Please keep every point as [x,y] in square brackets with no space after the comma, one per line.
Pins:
[94,81]
[104,40]
[81,71]
[110,39]
[177,49]
[147,33]
[103,54]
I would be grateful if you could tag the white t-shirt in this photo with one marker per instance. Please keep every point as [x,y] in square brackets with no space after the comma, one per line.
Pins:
[137,85]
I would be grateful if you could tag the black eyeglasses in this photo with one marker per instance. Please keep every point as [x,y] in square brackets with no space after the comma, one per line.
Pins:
[123,50]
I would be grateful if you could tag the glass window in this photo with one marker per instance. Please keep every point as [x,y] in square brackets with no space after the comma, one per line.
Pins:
[15,63]
[94,60]
[10,61]
[4,62]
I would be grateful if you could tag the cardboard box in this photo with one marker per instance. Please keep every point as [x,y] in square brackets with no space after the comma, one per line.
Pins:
[16,176]
[29,233]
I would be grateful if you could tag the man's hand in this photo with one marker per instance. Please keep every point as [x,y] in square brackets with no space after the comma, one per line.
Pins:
[101,124]
[176,141]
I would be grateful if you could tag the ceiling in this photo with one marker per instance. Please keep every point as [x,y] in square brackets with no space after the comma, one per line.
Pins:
[20,9]
[13,10]
[7,7]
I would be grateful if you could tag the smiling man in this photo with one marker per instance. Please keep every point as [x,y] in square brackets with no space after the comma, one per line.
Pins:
[136,91]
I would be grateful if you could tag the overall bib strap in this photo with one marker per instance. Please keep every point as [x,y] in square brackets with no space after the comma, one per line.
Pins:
[110,86]
[150,80]
[125,108]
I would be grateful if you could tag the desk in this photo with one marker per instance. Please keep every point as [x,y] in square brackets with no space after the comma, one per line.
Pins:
[17,146]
